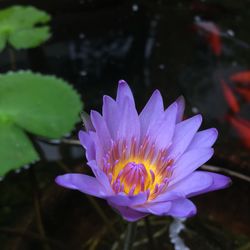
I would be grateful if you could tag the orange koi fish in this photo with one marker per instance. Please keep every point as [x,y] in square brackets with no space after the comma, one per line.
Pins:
[212,34]
[230,97]
[242,127]
[245,93]
[243,77]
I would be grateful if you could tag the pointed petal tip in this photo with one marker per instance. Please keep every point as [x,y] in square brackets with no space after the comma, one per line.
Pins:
[156,92]
[57,180]
[92,113]
[87,123]
[222,181]
[228,181]
[172,108]
[62,181]
[107,98]
[215,133]
[219,181]
[80,133]
[181,107]
[156,95]
[122,82]
[198,117]
[181,99]
[124,91]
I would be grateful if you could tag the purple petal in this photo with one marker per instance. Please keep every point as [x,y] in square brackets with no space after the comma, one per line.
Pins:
[128,213]
[158,208]
[181,107]
[162,134]
[182,208]
[129,126]
[123,93]
[151,112]
[83,183]
[196,183]
[189,162]
[169,195]
[100,176]
[111,115]
[101,130]
[183,135]
[99,150]
[204,139]
[219,181]
[123,199]
[87,121]
[88,144]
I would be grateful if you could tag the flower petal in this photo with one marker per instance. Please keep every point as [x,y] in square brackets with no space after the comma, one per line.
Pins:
[169,195]
[189,162]
[99,150]
[181,107]
[151,112]
[101,130]
[83,183]
[162,134]
[87,121]
[128,213]
[203,139]
[196,183]
[158,208]
[123,199]
[182,208]
[101,176]
[88,144]
[124,92]
[111,115]
[129,126]
[219,181]
[183,135]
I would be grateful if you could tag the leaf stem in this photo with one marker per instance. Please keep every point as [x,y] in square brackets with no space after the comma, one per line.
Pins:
[37,206]
[130,236]
[151,244]
[102,215]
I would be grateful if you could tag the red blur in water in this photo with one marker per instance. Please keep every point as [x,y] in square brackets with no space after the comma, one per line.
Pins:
[212,35]
[242,127]
[244,92]
[210,9]
[242,77]
[230,97]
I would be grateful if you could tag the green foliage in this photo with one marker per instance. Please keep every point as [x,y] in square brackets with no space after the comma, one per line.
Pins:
[15,148]
[43,105]
[18,26]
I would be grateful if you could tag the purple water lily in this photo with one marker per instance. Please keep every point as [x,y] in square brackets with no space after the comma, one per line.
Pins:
[145,164]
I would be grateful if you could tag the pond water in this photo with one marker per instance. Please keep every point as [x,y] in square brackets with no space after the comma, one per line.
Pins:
[151,44]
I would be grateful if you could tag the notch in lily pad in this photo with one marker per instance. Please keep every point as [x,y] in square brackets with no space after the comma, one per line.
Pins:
[23,27]
[42,105]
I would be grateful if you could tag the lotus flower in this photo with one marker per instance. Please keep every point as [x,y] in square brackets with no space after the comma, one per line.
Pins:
[145,164]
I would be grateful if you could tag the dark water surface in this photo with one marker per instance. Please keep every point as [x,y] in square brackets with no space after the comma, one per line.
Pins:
[151,44]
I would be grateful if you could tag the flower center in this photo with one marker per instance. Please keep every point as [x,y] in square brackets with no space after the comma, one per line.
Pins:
[133,177]
[133,168]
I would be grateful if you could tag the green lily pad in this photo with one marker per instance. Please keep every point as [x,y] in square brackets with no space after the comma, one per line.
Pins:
[15,148]
[18,26]
[42,105]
